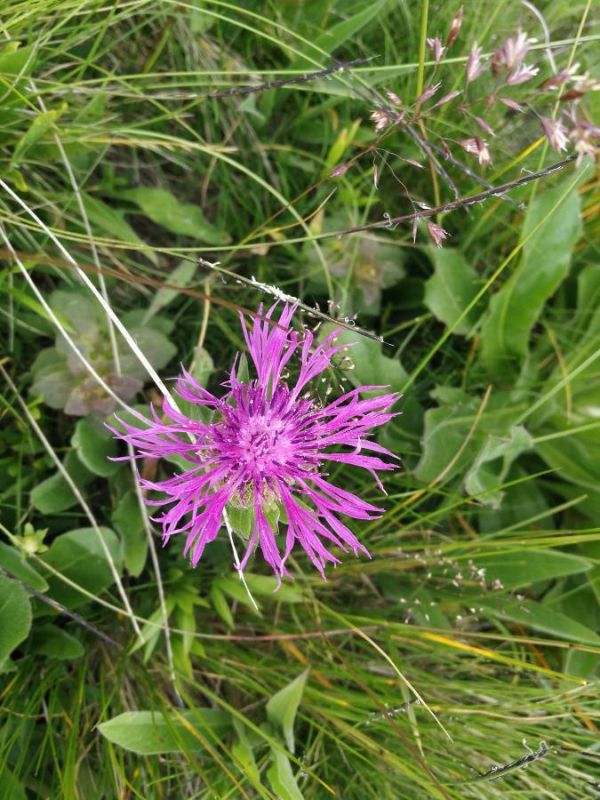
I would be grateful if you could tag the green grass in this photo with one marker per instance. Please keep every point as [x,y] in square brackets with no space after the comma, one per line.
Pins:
[461,660]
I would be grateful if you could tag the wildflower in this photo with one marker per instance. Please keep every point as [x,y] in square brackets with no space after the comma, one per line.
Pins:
[455,27]
[474,67]
[340,170]
[426,95]
[585,136]
[437,48]
[265,450]
[556,133]
[521,74]
[478,147]
[511,104]
[393,97]
[560,78]
[484,125]
[446,99]
[384,118]
[437,233]
[584,83]
[512,53]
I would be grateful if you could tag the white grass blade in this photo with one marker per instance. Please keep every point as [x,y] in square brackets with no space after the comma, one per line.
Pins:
[130,451]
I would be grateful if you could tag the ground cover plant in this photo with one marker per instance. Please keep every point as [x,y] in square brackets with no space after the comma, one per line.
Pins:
[332,198]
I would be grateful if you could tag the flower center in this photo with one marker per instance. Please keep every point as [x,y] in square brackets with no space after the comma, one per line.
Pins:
[264,445]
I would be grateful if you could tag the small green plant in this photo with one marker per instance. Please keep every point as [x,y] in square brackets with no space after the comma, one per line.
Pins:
[63,379]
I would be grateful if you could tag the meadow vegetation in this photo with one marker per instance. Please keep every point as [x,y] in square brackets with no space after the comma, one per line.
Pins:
[168,163]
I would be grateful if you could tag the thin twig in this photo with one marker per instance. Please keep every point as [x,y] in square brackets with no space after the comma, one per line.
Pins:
[496,772]
[279,294]
[451,159]
[496,191]
[118,370]
[236,558]
[277,84]
[428,151]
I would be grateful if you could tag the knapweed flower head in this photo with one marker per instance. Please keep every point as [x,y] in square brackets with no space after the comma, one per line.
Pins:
[267,446]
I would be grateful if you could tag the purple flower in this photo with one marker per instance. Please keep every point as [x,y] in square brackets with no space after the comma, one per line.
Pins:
[478,147]
[437,47]
[474,67]
[437,233]
[455,27]
[556,133]
[512,52]
[266,448]
[521,74]
[382,118]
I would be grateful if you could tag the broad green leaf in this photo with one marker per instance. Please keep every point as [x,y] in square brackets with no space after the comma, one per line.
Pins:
[331,39]
[281,777]
[588,299]
[282,708]
[15,562]
[11,785]
[492,464]
[544,265]
[41,124]
[182,275]
[15,59]
[113,222]
[371,366]
[242,752]
[241,519]
[266,585]
[186,219]
[523,499]
[32,304]
[202,365]
[154,732]
[451,288]
[54,494]
[15,616]
[128,521]
[55,643]
[155,346]
[94,445]
[522,568]
[446,430]
[52,379]
[575,458]
[81,314]
[455,434]
[80,557]
[233,587]
[220,605]
[200,23]
[538,617]
[16,63]
[580,663]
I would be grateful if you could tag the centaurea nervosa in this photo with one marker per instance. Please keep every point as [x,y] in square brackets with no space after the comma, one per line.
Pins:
[266,446]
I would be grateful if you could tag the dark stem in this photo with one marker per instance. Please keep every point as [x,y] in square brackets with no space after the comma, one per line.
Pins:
[464,202]
[305,78]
